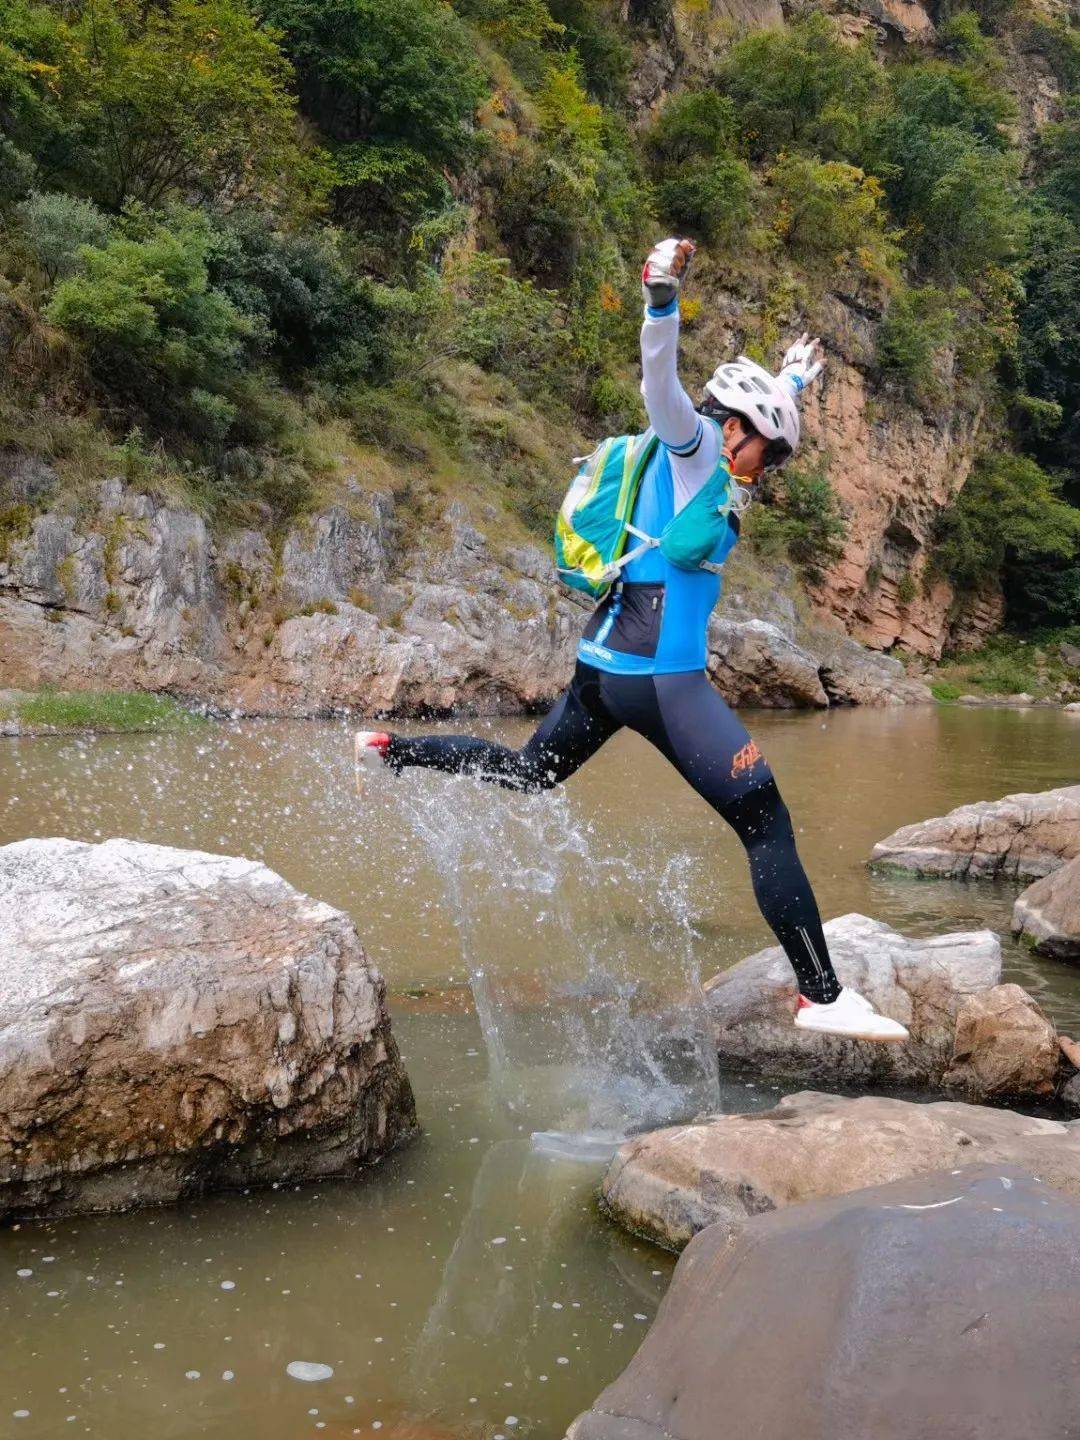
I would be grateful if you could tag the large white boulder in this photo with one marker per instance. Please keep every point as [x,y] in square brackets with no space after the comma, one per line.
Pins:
[173,1021]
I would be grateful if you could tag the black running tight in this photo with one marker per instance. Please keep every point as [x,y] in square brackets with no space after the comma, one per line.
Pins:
[684,717]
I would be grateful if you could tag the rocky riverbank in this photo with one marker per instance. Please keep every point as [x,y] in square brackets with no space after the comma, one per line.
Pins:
[344,614]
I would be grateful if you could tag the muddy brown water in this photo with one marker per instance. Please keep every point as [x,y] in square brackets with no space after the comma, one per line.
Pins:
[468,1288]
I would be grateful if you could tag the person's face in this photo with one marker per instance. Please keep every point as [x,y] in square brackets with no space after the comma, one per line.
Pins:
[749,463]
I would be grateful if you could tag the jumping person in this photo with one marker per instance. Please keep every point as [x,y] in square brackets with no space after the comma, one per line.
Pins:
[641,660]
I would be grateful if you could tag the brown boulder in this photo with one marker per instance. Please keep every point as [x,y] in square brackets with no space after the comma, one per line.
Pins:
[1047,914]
[669,1184]
[938,1306]
[1004,1045]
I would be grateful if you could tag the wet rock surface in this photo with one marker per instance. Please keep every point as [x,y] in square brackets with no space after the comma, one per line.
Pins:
[669,1184]
[1047,914]
[1015,838]
[173,1022]
[940,1305]
[923,983]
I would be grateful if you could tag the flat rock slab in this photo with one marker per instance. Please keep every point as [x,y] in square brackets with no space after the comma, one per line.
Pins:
[939,1306]
[173,1021]
[923,983]
[669,1184]
[1047,914]
[1020,837]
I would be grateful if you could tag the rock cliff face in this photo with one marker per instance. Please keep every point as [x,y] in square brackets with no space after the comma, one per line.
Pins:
[344,614]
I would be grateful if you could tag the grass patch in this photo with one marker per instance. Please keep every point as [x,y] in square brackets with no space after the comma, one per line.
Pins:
[1011,665]
[99,710]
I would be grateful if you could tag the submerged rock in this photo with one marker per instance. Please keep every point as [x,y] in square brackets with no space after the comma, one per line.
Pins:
[942,1305]
[923,983]
[1047,914]
[1016,838]
[173,1022]
[671,1183]
[1004,1045]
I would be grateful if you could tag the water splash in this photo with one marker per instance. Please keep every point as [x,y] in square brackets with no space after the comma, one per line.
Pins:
[585,1044]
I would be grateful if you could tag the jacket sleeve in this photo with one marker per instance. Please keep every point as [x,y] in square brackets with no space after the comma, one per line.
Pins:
[693,444]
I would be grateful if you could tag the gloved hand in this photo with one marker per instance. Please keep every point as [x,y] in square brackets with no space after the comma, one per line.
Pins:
[664,271]
[802,364]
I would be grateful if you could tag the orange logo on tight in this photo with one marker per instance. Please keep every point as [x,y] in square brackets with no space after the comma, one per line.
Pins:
[743,759]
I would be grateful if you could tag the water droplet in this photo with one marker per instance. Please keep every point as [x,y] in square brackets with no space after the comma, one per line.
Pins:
[308,1370]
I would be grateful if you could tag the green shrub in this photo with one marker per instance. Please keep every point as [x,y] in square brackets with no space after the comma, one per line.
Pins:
[56,226]
[801,87]
[154,329]
[916,328]
[702,185]
[801,518]
[311,310]
[1008,512]
[957,196]
[831,214]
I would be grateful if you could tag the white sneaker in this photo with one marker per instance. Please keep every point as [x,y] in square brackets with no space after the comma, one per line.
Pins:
[851,1015]
[369,748]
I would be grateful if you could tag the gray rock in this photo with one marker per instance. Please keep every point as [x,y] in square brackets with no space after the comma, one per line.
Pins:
[669,1184]
[1070,656]
[173,1022]
[1047,914]
[923,983]
[1015,838]
[940,1305]
[754,663]
[853,675]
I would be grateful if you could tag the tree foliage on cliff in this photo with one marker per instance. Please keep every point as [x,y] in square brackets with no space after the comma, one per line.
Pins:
[213,210]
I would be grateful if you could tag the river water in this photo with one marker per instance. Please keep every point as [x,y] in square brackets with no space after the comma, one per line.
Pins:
[543,957]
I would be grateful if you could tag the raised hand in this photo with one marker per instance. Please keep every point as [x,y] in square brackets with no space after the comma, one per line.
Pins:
[665,270]
[803,363]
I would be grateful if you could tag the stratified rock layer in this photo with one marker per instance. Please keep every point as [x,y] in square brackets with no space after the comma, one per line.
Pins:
[173,1021]
[669,1184]
[1047,914]
[943,1305]
[923,983]
[1020,837]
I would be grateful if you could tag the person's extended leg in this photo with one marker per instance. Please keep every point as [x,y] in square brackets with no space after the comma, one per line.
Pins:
[711,749]
[568,735]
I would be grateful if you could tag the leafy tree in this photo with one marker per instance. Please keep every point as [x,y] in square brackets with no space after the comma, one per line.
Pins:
[155,330]
[830,213]
[969,96]
[799,87]
[190,98]
[1009,512]
[702,185]
[957,196]
[31,124]
[394,84]
[601,46]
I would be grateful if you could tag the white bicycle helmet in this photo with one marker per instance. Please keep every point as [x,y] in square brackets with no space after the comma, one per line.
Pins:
[760,398]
